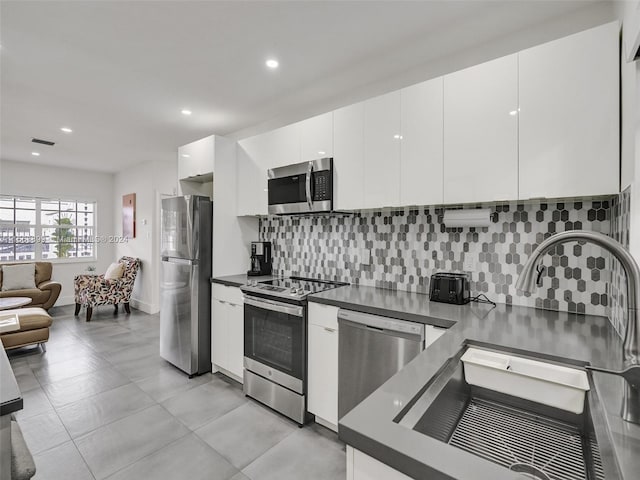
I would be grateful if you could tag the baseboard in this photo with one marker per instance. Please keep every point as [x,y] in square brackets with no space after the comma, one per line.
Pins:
[65,300]
[145,307]
[135,303]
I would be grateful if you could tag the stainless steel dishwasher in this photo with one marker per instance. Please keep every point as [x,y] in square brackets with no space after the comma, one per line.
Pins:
[371,350]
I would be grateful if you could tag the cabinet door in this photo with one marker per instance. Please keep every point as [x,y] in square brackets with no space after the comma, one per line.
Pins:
[219,312]
[323,373]
[569,120]
[196,158]
[235,339]
[184,165]
[365,467]
[316,137]
[251,181]
[382,138]
[281,147]
[481,132]
[421,148]
[348,157]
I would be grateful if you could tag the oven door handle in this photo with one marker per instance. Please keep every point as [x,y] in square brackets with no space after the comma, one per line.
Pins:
[280,307]
[308,185]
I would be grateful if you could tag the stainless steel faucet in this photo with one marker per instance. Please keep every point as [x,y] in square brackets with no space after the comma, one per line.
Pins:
[532,275]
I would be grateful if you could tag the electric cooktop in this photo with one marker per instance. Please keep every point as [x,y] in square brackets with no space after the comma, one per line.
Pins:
[296,288]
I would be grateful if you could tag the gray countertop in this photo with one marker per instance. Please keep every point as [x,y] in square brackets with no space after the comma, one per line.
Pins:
[560,336]
[10,396]
[241,279]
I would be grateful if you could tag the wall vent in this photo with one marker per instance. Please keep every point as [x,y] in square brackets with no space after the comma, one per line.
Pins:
[43,142]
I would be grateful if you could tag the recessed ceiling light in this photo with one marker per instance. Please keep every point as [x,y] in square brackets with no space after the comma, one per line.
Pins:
[397,136]
[185,155]
[272,63]
[66,129]
[321,153]
[35,154]
[185,111]
[513,113]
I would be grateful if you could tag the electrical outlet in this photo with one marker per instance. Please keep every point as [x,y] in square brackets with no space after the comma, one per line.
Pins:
[468,264]
[365,256]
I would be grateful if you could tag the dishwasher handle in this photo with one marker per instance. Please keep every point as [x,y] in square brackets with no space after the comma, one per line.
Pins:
[378,322]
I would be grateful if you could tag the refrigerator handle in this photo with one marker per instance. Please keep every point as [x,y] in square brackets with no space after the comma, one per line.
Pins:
[180,261]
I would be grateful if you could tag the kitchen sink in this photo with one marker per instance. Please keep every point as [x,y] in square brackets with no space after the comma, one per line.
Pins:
[533,439]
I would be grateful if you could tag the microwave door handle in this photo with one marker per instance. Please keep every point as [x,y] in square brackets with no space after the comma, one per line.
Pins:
[308,186]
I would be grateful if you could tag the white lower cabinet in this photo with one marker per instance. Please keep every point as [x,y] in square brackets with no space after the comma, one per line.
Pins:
[361,466]
[323,364]
[227,330]
[235,337]
[218,332]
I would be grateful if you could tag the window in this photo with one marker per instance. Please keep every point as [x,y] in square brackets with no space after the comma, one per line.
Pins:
[45,229]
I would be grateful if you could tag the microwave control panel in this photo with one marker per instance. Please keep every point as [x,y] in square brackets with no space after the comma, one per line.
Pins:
[322,185]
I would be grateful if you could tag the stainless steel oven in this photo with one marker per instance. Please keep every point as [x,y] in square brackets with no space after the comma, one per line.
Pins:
[301,188]
[275,355]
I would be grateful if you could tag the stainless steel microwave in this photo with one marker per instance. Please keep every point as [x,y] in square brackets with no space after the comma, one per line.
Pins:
[301,188]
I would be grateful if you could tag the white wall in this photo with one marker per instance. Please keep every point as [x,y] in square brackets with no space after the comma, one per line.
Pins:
[149,181]
[630,104]
[46,181]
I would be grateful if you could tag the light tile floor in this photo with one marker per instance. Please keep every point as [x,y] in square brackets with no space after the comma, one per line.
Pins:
[101,403]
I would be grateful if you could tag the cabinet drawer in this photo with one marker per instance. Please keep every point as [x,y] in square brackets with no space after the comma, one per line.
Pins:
[323,315]
[227,294]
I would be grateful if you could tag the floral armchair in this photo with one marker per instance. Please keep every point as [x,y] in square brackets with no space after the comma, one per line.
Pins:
[94,290]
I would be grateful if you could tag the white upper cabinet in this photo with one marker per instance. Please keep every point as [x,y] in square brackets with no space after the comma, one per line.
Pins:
[382,138]
[481,132]
[316,137]
[421,147]
[196,158]
[251,181]
[348,157]
[543,122]
[569,115]
[281,147]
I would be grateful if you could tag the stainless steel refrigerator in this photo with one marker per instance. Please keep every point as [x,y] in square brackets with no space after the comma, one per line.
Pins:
[185,287]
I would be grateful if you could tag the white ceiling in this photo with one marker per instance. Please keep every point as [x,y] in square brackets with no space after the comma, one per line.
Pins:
[119,73]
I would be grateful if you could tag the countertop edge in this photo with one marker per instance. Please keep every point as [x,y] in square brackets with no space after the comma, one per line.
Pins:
[10,395]
[228,283]
[385,312]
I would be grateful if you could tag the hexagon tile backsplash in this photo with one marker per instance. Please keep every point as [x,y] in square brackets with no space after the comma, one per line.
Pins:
[408,245]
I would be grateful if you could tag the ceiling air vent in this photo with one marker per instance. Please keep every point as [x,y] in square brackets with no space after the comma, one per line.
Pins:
[43,142]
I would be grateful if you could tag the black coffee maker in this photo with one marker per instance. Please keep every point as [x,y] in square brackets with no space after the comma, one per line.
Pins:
[260,259]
